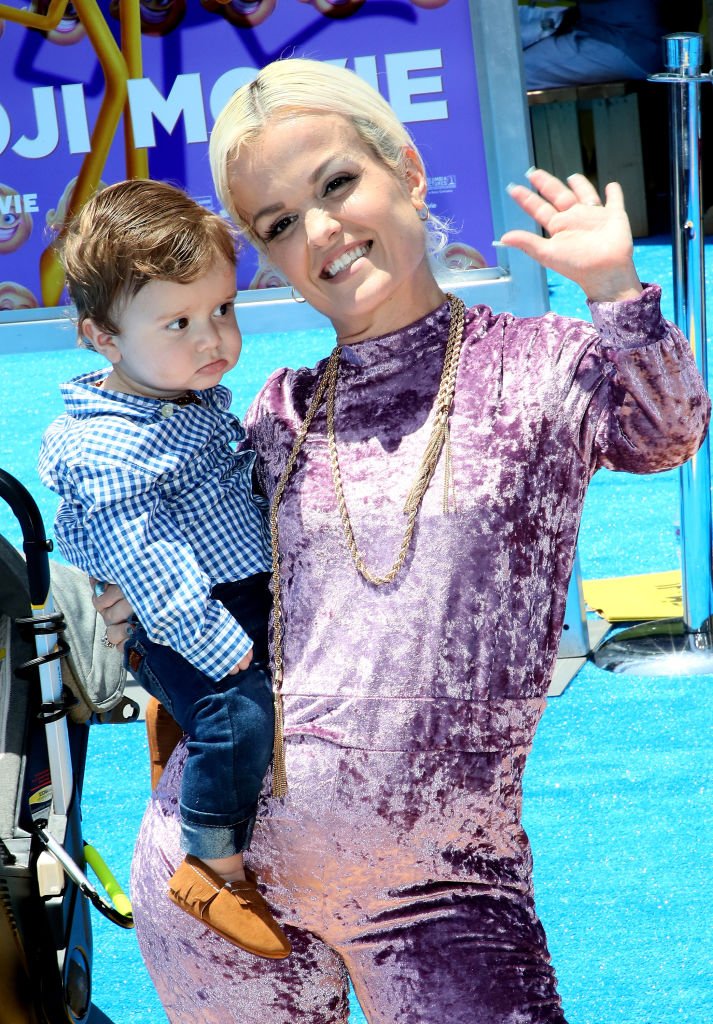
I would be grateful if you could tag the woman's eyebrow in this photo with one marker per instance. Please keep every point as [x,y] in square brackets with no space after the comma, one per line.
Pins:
[319,171]
[312,179]
[267,210]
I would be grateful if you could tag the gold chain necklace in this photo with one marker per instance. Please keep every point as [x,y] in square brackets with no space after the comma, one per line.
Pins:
[439,438]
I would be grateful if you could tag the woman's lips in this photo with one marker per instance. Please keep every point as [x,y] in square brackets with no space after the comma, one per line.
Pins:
[344,261]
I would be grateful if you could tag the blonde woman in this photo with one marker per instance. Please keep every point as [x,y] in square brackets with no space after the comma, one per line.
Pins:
[426,484]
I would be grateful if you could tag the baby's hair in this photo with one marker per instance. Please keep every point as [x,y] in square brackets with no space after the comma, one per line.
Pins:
[289,88]
[132,233]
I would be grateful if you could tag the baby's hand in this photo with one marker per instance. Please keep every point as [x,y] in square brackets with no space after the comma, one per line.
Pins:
[242,664]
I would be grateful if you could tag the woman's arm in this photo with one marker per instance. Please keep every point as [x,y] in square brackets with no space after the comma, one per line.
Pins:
[627,385]
[115,610]
[625,388]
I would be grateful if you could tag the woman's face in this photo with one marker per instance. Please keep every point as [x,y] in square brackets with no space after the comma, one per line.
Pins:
[337,223]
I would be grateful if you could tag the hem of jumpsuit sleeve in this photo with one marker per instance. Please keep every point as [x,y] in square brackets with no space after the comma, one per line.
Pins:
[631,323]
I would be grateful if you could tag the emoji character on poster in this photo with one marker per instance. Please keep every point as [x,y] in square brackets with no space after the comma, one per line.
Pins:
[158,17]
[268,277]
[16,296]
[336,8]
[241,13]
[70,29]
[56,218]
[459,256]
[15,223]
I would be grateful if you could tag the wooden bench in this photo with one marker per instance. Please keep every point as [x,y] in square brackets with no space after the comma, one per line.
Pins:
[593,129]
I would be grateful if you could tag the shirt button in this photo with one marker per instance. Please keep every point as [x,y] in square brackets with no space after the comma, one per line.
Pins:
[166,410]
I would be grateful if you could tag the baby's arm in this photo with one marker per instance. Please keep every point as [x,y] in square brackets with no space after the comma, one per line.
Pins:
[116,611]
[128,537]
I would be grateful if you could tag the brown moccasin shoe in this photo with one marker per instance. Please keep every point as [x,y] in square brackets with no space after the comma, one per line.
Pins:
[235,910]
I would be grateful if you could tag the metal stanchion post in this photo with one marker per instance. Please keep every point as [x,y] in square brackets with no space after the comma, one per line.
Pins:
[684,55]
[682,645]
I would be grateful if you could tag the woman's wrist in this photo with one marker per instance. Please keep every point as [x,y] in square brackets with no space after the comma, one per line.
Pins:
[617,286]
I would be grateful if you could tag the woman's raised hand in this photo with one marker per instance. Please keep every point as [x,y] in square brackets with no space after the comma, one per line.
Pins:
[588,241]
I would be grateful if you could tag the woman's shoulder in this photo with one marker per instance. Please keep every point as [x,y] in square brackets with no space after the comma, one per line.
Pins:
[282,390]
[483,325]
[525,348]
[273,384]
[511,330]
[485,317]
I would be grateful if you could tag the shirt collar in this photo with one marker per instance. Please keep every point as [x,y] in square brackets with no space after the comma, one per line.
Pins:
[83,397]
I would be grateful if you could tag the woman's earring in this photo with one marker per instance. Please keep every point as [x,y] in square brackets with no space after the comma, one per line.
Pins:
[424,213]
[297,297]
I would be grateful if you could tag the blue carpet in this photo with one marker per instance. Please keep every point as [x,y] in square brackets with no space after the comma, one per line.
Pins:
[617,792]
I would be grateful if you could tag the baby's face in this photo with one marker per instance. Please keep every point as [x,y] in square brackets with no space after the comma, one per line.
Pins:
[173,337]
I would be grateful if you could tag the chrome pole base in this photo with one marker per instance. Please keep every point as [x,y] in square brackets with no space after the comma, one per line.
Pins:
[663,648]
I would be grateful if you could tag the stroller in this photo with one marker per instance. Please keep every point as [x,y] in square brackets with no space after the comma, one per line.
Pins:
[56,678]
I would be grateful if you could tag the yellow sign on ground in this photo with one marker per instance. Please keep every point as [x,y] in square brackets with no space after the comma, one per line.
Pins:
[654,595]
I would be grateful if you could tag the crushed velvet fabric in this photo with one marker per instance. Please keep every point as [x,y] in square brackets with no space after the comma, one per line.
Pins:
[398,855]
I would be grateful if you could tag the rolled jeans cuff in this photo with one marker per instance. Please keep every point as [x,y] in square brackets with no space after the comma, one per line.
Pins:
[209,842]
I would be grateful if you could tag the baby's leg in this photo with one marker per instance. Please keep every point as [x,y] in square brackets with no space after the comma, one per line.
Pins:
[229,745]
[232,868]
[230,734]
[229,725]
[163,733]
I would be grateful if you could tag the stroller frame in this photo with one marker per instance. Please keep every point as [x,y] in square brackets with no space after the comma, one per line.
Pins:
[45,927]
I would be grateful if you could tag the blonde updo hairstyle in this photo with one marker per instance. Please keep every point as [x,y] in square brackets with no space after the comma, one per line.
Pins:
[293,87]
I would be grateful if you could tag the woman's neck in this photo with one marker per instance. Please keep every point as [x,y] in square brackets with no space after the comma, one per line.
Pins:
[388,318]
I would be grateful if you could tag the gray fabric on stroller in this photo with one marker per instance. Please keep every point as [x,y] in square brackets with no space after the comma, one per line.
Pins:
[93,672]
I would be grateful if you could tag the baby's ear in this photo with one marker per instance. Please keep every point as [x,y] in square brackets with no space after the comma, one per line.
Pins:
[101,341]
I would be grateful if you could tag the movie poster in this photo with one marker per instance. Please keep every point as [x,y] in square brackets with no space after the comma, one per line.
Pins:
[120,89]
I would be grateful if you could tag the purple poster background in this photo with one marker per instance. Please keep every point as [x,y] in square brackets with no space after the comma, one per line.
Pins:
[419,56]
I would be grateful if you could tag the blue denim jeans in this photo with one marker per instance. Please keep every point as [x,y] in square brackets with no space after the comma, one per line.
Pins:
[229,725]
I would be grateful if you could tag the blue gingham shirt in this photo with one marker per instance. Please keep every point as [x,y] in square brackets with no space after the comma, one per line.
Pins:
[155,498]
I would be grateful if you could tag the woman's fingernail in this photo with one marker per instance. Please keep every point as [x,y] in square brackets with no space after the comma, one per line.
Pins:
[499,245]
[530,171]
[510,187]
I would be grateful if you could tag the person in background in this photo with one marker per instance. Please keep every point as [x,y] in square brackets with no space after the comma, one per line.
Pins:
[605,41]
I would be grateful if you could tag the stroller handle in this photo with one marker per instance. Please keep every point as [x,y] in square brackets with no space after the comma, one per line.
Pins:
[35,543]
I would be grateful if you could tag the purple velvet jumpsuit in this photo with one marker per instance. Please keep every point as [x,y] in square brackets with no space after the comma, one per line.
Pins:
[398,855]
